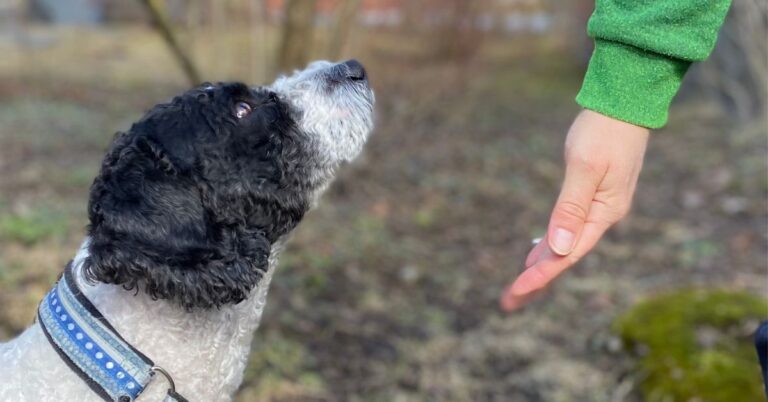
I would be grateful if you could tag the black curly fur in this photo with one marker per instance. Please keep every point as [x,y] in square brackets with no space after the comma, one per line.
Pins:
[190,200]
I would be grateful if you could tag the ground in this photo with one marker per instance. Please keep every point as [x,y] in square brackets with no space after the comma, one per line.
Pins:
[388,291]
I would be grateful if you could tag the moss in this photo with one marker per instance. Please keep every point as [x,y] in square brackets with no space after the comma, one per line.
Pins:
[696,344]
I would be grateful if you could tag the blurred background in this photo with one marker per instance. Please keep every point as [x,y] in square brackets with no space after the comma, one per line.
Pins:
[388,291]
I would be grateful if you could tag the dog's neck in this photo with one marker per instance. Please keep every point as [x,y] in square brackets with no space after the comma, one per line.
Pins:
[206,351]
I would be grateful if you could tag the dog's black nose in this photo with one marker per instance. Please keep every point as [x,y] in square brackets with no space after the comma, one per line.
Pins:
[355,70]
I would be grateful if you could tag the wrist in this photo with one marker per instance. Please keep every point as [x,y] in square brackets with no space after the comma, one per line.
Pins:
[611,126]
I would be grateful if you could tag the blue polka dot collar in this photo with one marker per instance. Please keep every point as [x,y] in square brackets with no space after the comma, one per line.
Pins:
[91,346]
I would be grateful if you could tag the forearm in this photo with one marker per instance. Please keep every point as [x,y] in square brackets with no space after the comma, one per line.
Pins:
[642,51]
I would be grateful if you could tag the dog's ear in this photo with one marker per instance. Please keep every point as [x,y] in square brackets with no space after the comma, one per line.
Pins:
[151,228]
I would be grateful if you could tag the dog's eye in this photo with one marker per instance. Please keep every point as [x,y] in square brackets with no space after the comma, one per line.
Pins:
[242,109]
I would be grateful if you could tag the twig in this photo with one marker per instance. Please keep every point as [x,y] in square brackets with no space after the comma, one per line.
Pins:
[161,23]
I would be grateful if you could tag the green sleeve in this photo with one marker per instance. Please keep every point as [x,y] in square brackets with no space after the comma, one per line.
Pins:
[642,50]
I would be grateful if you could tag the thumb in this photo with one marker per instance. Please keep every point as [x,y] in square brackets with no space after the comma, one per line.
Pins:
[572,207]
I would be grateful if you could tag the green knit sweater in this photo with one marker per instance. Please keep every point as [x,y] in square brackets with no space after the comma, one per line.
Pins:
[642,50]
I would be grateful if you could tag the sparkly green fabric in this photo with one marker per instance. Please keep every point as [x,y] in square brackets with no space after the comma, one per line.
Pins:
[642,50]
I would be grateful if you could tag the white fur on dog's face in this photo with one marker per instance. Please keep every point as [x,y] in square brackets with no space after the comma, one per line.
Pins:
[336,114]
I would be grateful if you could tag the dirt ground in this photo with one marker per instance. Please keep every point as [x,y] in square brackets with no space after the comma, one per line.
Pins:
[388,291]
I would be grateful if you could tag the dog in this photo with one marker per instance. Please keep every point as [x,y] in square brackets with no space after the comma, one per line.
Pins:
[188,215]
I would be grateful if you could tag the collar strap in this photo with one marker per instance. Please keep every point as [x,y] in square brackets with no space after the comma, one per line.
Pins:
[90,345]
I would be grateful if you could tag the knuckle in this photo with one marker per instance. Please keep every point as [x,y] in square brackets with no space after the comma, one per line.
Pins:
[579,160]
[570,210]
[540,276]
[572,155]
[622,208]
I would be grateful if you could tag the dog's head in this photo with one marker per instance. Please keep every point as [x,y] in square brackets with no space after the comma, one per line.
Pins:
[190,200]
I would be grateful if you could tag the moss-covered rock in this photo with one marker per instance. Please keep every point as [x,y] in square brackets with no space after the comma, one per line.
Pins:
[696,345]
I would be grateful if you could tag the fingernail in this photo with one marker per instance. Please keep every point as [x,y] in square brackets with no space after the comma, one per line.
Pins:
[562,242]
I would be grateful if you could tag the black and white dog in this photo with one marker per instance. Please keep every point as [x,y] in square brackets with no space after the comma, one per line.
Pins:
[187,218]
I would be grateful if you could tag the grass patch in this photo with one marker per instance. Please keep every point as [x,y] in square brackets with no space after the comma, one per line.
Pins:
[280,369]
[696,345]
[34,226]
[52,125]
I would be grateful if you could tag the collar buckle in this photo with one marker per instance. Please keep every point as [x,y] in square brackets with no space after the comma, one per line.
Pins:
[157,369]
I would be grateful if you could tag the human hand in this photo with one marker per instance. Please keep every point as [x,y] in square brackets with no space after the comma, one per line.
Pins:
[603,158]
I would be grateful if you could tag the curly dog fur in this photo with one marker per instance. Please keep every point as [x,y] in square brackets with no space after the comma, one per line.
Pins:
[188,215]
[189,201]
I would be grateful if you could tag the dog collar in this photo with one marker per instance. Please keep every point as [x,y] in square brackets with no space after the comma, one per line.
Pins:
[91,346]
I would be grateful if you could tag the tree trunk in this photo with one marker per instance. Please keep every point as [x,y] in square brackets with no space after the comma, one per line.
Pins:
[735,72]
[456,36]
[344,22]
[297,34]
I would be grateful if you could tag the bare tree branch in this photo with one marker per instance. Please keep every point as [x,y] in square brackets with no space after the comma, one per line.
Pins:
[161,23]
